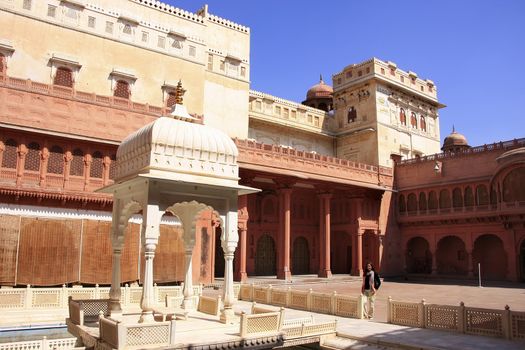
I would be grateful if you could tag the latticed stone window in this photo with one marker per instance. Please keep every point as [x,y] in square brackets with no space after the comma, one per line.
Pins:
[63,77]
[26,5]
[10,154]
[97,165]
[3,65]
[77,163]
[127,29]
[55,162]
[92,22]
[413,120]
[122,89]
[51,10]
[113,167]
[32,161]
[171,99]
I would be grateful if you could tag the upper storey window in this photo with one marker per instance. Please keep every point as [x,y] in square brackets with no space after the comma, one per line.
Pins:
[63,77]
[422,123]
[27,4]
[352,115]
[3,64]
[122,89]
[122,83]
[402,117]
[413,120]
[64,70]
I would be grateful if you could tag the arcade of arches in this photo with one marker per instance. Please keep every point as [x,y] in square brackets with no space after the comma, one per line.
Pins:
[296,229]
[455,256]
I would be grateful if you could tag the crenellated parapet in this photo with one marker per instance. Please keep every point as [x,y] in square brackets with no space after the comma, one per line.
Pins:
[278,110]
[386,72]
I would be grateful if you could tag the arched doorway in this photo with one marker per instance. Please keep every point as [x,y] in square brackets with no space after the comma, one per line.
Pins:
[451,256]
[369,248]
[489,252]
[219,254]
[341,252]
[522,261]
[301,257]
[265,256]
[418,257]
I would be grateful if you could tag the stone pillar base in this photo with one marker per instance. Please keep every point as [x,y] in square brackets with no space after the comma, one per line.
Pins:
[284,275]
[115,315]
[146,317]
[228,316]
[325,274]
[188,304]
[241,276]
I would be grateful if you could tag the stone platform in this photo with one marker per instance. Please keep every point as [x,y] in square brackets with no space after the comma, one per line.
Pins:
[203,331]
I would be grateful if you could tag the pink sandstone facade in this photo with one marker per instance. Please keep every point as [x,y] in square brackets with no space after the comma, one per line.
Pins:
[432,215]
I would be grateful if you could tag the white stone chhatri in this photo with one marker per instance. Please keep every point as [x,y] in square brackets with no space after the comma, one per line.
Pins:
[175,166]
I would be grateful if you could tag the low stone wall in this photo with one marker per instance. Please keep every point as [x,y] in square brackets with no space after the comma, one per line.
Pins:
[43,344]
[57,298]
[326,303]
[477,321]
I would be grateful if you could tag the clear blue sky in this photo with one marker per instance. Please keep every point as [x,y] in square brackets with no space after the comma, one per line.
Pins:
[473,50]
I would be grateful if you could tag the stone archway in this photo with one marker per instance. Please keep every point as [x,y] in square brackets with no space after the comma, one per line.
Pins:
[418,257]
[301,256]
[219,254]
[341,252]
[522,261]
[265,256]
[451,256]
[490,253]
[370,248]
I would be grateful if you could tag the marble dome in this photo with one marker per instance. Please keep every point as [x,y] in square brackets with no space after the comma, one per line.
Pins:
[177,147]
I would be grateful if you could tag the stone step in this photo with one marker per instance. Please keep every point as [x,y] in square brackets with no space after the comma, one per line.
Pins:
[341,343]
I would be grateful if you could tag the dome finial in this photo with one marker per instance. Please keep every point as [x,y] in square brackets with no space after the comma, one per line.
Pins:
[321,78]
[453,128]
[179,93]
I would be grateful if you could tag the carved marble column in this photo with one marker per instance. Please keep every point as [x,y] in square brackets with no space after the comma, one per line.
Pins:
[188,279]
[284,271]
[229,241]
[150,237]
[115,292]
[148,297]
[241,274]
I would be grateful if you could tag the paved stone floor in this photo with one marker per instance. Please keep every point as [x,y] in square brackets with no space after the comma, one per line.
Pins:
[493,295]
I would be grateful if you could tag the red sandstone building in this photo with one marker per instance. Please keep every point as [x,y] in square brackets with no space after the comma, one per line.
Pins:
[435,215]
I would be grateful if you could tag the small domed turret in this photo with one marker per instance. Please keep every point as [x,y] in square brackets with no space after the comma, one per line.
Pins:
[454,142]
[320,96]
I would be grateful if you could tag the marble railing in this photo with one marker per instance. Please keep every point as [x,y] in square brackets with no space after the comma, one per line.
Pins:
[307,300]
[57,298]
[43,344]
[477,321]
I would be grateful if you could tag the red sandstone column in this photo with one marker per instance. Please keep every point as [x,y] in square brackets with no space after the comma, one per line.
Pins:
[360,252]
[22,151]
[87,170]
[43,166]
[105,174]
[322,250]
[326,232]
[67,166]
[284,271]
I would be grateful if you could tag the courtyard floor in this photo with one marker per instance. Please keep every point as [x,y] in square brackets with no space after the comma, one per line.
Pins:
[493,295]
